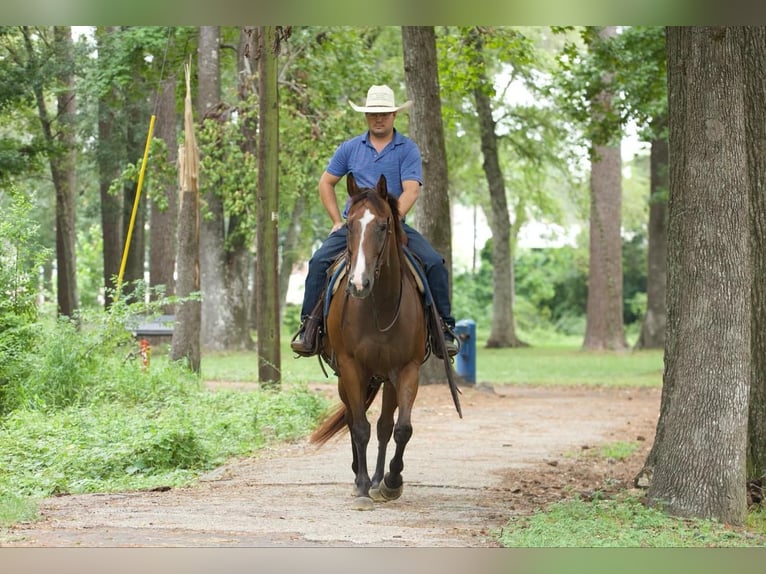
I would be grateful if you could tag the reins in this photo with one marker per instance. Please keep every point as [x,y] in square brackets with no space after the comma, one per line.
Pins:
[378,265]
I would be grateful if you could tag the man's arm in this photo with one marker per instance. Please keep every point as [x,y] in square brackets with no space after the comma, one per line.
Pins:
[327,194]
[410,192]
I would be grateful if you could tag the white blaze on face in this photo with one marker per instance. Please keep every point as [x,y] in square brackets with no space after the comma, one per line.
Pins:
[361,264]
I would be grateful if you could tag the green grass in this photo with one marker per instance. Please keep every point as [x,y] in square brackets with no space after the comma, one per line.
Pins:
[115,446]
[558,362]
[620,522]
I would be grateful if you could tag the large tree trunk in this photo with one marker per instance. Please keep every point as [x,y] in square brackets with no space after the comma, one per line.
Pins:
[604,327]
[269,362]
[755,101]
[109,155]
[653,327]
[503,329]
[223,254]
[162,236]
[63,164]
[699,452]
[432,210]
[216,316]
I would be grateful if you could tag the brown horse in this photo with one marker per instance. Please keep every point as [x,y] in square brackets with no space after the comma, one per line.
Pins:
[376,334]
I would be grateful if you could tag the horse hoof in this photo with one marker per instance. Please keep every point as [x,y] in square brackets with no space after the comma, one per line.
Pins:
[377,496]
[387,493]
[363,503]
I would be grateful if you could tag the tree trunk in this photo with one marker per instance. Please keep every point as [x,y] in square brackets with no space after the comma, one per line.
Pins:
[162,236]
[109,154]
[269,362]
[699,455]
[63,161]
[653,327]
[432,210]
[186,334]
[503,330]
[604,327]
[137,125]
[61,157]
[216,316]
[755,110]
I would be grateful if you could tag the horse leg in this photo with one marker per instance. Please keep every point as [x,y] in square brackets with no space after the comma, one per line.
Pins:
[407,388]
[359,428]
[385,429]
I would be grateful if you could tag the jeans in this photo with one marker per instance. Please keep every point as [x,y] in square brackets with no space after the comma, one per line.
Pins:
[433,264]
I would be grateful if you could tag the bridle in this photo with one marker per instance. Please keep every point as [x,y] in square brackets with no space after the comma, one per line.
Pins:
[378,265]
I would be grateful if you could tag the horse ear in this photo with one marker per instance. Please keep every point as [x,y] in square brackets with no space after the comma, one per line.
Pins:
[351,186]
[383,186]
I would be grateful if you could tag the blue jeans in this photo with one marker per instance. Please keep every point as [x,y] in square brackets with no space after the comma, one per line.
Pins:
[433,264]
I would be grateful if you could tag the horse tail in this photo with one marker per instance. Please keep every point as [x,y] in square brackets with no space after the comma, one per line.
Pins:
[336,420]
[332,425]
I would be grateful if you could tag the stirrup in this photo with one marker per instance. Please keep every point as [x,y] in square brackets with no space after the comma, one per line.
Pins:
[299,343]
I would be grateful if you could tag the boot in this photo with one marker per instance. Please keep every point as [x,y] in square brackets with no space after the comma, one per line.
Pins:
[305,341]
[450,341]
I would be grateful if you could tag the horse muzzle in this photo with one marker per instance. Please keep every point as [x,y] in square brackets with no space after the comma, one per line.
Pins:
[359,289]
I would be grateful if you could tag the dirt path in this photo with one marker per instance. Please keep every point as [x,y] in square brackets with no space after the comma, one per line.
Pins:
[515,450]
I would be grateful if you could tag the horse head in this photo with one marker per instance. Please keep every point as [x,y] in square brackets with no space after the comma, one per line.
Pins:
[370,222]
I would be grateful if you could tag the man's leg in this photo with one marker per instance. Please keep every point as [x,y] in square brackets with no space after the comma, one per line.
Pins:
[438,281]
[305,341]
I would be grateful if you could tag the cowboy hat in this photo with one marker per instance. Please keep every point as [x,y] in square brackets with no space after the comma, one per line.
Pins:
[380,100]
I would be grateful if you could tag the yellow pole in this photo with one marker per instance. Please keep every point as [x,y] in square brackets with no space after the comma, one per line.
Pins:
[135,209]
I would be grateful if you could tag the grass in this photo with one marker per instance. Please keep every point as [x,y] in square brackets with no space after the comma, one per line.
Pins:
[552,362]
[621,522]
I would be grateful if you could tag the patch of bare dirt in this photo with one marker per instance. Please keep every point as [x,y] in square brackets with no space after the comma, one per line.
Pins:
[516,450]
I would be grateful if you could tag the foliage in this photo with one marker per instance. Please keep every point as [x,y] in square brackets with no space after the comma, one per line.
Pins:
[81,413]
[621,522]
[20,256]
[57,363]
[631,65]
[535,149]
[168,438]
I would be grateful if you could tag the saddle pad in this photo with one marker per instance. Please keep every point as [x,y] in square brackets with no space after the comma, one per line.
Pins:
[338,270]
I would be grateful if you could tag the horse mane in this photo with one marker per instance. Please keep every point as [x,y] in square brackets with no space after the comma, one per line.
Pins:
[374,197]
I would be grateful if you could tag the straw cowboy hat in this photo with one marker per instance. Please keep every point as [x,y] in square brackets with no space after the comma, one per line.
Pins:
[380,100]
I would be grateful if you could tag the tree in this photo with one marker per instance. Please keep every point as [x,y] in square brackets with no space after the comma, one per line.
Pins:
[524,164]
[216,315]
[269,362]
[162,230]
[754,55]
[503,330]
[54,70]
[185,344]
[224,254]
[652,334]
[109,155]
[432,211]
[698,457]
[641,79]
[604,327]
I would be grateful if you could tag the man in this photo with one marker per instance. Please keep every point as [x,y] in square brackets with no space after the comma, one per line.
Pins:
[381,150]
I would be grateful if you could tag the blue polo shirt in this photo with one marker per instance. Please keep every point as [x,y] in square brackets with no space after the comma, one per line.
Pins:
[399,161]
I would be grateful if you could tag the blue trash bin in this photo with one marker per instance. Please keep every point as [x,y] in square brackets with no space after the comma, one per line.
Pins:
[465,329]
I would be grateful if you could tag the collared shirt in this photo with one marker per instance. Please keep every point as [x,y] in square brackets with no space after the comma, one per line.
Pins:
[399,161]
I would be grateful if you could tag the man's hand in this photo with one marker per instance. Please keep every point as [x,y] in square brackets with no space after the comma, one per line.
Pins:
[335,227]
